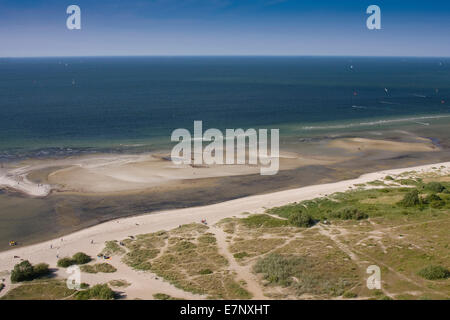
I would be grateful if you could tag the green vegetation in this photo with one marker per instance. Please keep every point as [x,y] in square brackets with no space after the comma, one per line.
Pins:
[99,267]
[163,296]
[300,273]
[65,262]
[142,249]
[84,285]
[119,283]
[40,290]
[190,261]
[362,204]
[349,295]
[433,272]
[112,247]
[411,199]
[78,258]
[97,292]
[349,213]
[435,187]
[25,271]
[301,219]
[240,255]
[263,220]
[81,258]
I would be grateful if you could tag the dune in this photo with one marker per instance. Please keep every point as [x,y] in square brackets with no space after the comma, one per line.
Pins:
[144,284]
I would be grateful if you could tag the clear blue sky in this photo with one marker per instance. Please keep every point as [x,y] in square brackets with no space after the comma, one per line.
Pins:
[224,27]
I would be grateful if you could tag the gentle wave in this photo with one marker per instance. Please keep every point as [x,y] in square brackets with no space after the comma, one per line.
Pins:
[373,123]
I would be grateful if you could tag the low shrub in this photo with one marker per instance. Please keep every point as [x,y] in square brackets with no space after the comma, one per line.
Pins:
[411,199]
[65,262]
[436,187]
[81,258]
[349,213]
[433,272]
[77,258]
[99,292]
[301,219]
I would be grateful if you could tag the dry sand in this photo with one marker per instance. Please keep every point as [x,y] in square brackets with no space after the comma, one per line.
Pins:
[127,173]
[145,284]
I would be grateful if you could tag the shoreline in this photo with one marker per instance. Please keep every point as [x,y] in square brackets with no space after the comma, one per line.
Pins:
[121,228]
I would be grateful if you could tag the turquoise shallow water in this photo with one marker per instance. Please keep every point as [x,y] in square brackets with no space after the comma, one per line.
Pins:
[60,106]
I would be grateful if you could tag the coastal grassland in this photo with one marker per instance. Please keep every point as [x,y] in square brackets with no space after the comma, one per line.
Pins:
[98,267]
[143,248]
[56,289]
[402,228]
[318,248]
[40,290]
[290,261]
[188,258]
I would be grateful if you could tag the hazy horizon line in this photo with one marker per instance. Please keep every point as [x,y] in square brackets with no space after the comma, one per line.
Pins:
[224,56]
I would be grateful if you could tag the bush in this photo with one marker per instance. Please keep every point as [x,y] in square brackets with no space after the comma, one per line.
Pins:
[349,295]
[41,269]
[22,272]
[99,291]
[77,258]
[81,258]
[434,187]
[411,199]
[84,285]
[349,214]
[301,219]
[65,262]
[433,272]
[435,201]
[25,271]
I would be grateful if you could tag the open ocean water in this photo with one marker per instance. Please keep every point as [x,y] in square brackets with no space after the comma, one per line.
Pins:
[63,106]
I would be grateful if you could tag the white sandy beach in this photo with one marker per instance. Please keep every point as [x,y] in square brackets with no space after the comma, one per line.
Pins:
[145,284]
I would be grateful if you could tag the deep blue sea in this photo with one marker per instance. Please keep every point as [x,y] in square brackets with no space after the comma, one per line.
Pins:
[69,105]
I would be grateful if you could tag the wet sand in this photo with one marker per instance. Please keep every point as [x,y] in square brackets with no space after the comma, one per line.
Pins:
[32,219]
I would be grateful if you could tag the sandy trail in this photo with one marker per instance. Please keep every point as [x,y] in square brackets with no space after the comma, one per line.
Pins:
[242,272]
[165,220]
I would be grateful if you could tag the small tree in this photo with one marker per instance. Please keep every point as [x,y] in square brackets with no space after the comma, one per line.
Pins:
[22,272]
[301,219]
[411,199]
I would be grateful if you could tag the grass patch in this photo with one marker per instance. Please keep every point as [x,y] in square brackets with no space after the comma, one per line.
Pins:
[302,275]
[263,220]
[40,290]
[163,296]
[434,272]
[119,283]
[99,267]
[97,292]
[112,247]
